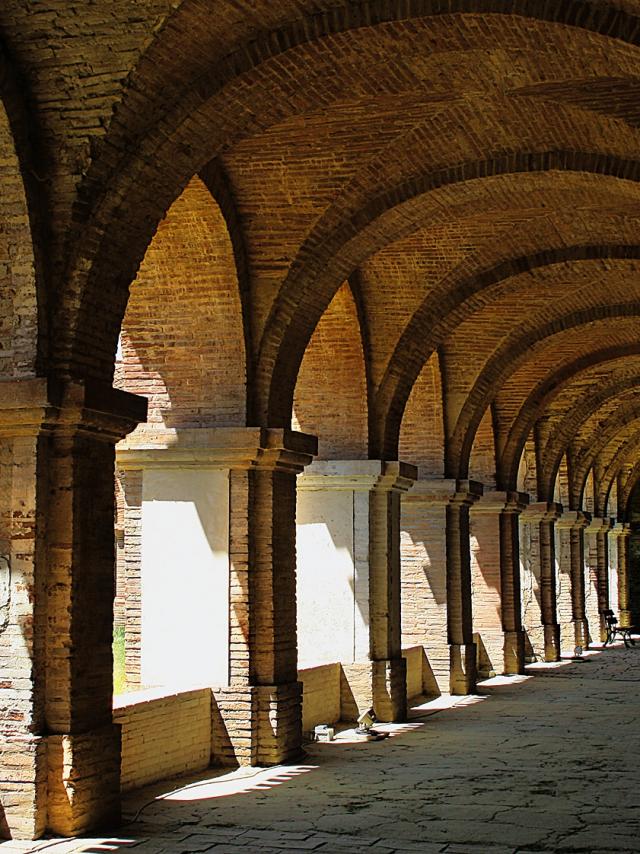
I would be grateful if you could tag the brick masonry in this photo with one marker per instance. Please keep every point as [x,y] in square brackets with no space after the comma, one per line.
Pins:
[412,227]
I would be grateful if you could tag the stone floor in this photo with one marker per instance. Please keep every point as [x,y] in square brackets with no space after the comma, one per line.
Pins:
[547,762]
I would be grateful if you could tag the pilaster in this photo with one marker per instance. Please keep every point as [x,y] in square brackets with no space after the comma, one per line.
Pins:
[597,588]
[462,649]
[571,524]
[497,616]
[539,579]
[257,713]
[620,534]
[61,752]
[357,504]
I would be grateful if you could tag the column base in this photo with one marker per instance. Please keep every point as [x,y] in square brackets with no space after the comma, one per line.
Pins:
[23,789]
[581,633]
[462,668]
[83,781]
[514,652]
[381,685]
[552,642]
[625,618]
[257,724]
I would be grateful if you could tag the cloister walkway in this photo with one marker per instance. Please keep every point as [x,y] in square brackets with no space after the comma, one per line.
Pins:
[546,762]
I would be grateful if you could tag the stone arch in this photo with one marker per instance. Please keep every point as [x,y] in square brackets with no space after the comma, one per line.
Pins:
[422,430]
[186,288]
[504,361]
[288,325]
[566,431]
[23,332]
[545,392]
[607,431]
[629,488]
[235,60]
[330,398]
[628,450]
[445,306]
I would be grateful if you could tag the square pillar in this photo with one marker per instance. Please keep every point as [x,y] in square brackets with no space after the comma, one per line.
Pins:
[349,577]
[423,553]
[495,579]
[620,534]
[243,481]
[60,749]
[597,577]
[462,649]
[574,629]
[569,558]
[538,574]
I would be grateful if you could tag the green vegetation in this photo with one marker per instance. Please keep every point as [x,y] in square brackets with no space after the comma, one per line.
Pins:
[119,678]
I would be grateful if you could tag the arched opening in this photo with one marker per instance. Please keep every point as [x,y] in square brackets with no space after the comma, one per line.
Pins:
[485,552]
[332,543]
[173,620]
[423,541]
[633,515]
[330,398]
[563,565]
[482,460]
[595,533]
[530,554]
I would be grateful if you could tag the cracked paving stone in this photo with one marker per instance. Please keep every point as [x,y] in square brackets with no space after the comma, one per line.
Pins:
[544,765]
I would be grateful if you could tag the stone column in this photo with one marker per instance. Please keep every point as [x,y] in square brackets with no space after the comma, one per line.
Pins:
[570,579]
[571,525]
[349,535]
[257,713]
[497,618]
[462,649]
[597,586]
[539,579]
[60,749]
[423,552]
[620,534]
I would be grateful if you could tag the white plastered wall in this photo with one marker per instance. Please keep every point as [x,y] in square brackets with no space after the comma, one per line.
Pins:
[185,577]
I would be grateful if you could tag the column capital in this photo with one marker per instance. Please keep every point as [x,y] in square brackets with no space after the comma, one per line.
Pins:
[621,529]
[598,525]
[40,404]
[443,491]
[542,511]
[573,519]
[494,501]
[358,475]
[467,492]
[218,448]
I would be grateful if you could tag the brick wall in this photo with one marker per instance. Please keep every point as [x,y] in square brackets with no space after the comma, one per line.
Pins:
[163,737]
[422,431]
[187,290]
[320,695]
[414,657]
[330,399]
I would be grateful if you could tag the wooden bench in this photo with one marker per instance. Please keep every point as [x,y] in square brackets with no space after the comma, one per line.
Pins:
[614,630]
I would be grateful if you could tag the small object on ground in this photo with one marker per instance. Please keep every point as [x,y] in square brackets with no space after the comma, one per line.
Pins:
[364,732]
[324,732]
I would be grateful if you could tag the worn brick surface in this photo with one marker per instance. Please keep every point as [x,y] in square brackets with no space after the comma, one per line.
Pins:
[409,227]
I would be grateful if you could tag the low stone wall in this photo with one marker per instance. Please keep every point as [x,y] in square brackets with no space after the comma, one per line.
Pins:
[320,695]
[163,736]
[414,657]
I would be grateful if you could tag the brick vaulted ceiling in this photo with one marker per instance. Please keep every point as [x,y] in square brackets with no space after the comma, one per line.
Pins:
[470,167]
